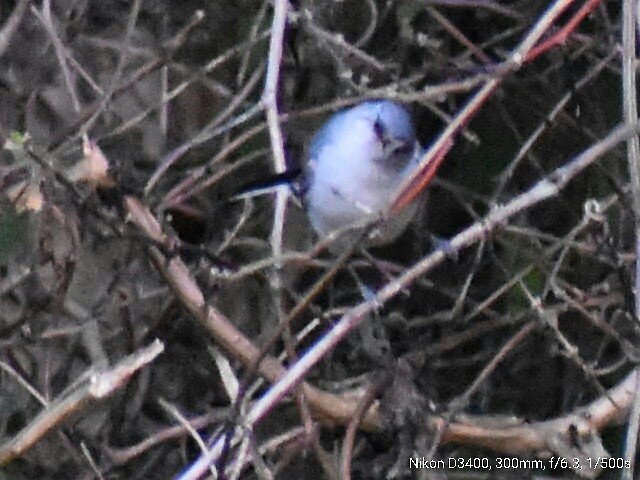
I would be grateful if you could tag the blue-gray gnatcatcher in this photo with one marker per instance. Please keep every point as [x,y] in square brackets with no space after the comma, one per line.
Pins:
[356,163]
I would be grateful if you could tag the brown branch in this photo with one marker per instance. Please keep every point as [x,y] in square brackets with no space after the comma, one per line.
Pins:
[96,387]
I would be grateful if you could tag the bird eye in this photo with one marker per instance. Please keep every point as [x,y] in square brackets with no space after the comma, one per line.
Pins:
[404,148]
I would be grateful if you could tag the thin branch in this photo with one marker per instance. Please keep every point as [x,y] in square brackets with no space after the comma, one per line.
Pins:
[630,102]
[12,24]
[98,386]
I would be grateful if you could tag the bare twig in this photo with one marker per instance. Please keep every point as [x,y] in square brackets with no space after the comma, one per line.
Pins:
[11,25]
[61,53]
[99,386]
[630,101]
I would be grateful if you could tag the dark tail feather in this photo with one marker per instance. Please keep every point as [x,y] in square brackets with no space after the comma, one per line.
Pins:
[270,184]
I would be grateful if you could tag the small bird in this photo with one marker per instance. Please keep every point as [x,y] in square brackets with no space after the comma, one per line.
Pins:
[356,163]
